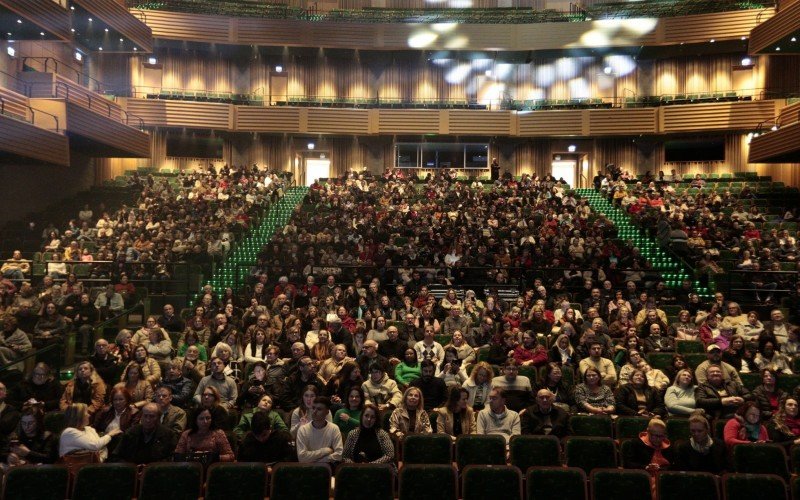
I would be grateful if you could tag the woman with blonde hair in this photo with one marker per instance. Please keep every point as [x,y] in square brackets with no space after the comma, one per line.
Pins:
[651,451]
[410,416]
[679,398]
[478,385]
[79,436]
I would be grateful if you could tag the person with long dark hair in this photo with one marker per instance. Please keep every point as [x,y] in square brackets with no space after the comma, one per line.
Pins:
[456,417]
[31,444]
[348,418]
[369,443]
[203,436]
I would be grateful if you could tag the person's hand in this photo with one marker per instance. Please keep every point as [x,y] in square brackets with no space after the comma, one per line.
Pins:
[345,417]
[336,400]
[115,432]
[304,420]
[20,450]
[188,364]
[14,460]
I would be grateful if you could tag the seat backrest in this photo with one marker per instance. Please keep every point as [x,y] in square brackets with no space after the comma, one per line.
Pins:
[480,450]
[760,458]
[105,482]
[529,451]
[247,479]
[173,480]
[555,483]
[679,485]
[677,429]
[630,427]
[485,481]
[428,482]
[364,482]
[590,453]
[36,482]
[295,480]
[591,425]
[615,483]
[427,449]
[749,486]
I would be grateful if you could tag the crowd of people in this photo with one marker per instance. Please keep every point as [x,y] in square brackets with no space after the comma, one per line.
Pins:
[342,371]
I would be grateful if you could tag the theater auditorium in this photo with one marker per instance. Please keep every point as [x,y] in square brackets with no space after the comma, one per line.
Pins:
[399,249]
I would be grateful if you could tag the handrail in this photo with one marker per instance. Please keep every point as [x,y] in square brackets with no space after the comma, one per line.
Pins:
[54,117]
[89,96]
[129,115]
[80,76]
[57,348]
[26,87]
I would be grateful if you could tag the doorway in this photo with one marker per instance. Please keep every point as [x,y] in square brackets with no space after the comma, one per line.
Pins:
[565,169]
[317,168]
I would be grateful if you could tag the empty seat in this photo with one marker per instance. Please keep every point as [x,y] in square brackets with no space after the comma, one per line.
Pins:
[36,482]
[760,458]
[750,486]
[535,451]
[630,427]
[677,485]
[485,481]
[306,481]
[428,482]
[427,449]
[248,480]
[590,453]
[176,481]
[555,483]
[590,425]
[677,429]
[364,482]
[105,482]
[614,483]
[480,450]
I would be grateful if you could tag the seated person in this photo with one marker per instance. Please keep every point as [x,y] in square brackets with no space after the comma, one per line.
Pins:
[745,427]
[638,398]
[266,443]
[78,436]
[32,444]
[368,443]
[434,389]
[544,417]
[701,453]
[516,388]
[410,416]
[203,436]
[652,450]
[146,442]
[496,418]
[264,406]
[319,441]
[456,417]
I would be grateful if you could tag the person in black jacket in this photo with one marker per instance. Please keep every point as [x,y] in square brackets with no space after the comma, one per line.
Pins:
[31,444]
[651,451]
[41,386]
[146,442]
[701,453]
[106,365]
[263,444]
[544,418]
[784,428]
[434,389]
[638,398]
[718,397]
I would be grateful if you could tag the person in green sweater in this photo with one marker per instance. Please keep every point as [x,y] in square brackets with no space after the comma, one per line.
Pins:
[408,370]
[265,405]
[349,417]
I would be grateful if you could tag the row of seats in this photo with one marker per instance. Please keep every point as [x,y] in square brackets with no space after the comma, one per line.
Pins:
[252,481]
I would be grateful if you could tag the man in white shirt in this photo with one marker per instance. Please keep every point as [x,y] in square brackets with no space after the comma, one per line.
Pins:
[497,419]
[319,441]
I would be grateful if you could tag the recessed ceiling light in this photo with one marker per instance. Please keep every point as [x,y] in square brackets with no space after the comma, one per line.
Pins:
[744,38]
[19,21]
[71,7]
[101,48]
[90,19]
[713,40]
[777,49]
[41,33]
[72,30]
[9,33]
[794,39]
[121,40]
[106,30]
[135,49]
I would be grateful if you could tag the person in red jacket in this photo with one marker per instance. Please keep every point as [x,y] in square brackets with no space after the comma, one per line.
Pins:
[530,352]
[745,427]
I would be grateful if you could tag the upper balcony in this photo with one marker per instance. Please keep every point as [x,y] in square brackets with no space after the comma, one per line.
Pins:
[35,20]
[779,34]
[603,25]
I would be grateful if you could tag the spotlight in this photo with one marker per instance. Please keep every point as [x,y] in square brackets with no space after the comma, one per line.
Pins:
[311,145]
[607,70]
[278,69]
[11,51]
[746,61]
[571,148]
[152,60]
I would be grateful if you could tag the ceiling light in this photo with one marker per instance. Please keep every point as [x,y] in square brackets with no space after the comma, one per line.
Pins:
[310,145]
[19,21]
[41,33]
[90,19]
[106,30]
[152,60]
[746,61]
[121,40]
[744,38]
[11,51]
[72,30]
[571,148]
[101,48]
[713,40]
[777,49]
[794,39]
[71,7]
[774,127]
[607,70]
[135,49]
[278,68]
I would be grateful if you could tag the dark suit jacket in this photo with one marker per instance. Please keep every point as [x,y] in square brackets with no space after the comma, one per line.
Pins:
[532,421]
[132,447]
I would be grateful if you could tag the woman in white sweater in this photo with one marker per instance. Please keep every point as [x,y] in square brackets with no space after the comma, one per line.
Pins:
[679,398]
[79,436]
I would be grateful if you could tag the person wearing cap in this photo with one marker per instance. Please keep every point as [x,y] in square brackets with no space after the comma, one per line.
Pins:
[714,358]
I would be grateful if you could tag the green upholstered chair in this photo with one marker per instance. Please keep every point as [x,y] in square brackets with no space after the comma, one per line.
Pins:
[295,480]
[480,450]
[427,449]
[555,483]
[749,486]
[616,483]
[591,425]
[678,485]
[479,482]
[761,458]
[364,482]
[589,453]
[36,482]
[428,482]
[535,451]
[176,481]
[105,482]
[247,479]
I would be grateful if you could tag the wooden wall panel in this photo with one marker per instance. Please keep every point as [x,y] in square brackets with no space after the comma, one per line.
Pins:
[764,36]
[411,121]
[789,114]
[769,146]
[477,122]
[399,36]
[551,123]
[118,17]
[164,113]
[48,15]
[15,104]
[342,121]
[259,119]
[26,140]
[622,121]
[126,141]
[719,26]
[718,116]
